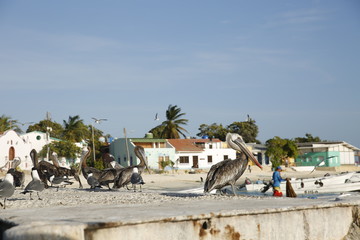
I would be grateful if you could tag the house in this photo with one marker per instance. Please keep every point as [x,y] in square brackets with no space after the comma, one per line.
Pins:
[14,145]
[156,150]
[200,153]
[333,153]
[183,153]
[258,150]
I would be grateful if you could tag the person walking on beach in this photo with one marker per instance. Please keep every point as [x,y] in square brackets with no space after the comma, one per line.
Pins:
[277,179]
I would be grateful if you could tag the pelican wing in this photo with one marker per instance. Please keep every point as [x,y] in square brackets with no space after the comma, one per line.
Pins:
[123,178]
[212,175]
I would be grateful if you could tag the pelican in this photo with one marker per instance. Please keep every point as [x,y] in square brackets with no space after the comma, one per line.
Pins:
[65,172]
[57,182]
[35,185]
[227,172]
[7,187]
[136,179]
[19,177]
[46,169]
[96,177]
[124,177]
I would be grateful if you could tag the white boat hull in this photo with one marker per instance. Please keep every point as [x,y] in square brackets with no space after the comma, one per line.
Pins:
[346,182]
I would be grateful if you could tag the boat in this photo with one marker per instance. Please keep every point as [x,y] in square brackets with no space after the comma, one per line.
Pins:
[343,182]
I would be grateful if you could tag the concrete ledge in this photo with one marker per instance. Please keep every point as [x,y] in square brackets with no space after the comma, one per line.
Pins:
[227,219]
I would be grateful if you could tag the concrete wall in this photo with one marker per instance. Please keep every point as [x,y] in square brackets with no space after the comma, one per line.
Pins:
[327,222]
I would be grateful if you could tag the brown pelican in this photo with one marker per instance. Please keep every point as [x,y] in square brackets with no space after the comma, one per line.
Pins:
[124,177]
[19,176]
[46,169]
[96,177]
[7,187]
[227,172]
[136,179]
[65,172]
[35,185]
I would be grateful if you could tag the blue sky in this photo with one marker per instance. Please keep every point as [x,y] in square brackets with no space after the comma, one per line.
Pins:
[293,66]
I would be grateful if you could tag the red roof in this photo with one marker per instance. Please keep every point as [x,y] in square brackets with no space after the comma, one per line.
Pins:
[189,145]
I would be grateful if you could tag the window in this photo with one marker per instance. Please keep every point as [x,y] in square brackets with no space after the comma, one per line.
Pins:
[184,159]
[210,146]
[209,158]
[226,157]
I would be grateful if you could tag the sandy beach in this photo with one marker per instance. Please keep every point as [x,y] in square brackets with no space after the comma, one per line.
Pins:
[158,188]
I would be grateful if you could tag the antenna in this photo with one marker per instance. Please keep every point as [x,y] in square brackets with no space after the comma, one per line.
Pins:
[48,116]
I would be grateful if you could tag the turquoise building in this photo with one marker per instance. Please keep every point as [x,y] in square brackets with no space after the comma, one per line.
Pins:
[329,154]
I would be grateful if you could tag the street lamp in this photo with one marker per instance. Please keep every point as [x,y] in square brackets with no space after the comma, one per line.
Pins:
[96,120]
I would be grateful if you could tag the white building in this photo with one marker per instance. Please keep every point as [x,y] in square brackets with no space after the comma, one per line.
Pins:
[14,145]
[185,153]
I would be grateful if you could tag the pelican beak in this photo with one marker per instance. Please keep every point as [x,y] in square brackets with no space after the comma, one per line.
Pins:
[247,152]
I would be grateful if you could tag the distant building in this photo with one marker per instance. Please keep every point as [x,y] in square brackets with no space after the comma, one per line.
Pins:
[14,145]
[183,153]
[333,153]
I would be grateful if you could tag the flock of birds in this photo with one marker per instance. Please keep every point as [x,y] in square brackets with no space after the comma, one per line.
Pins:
[222,174]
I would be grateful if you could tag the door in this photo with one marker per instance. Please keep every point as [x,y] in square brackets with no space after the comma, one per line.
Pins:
[195,162]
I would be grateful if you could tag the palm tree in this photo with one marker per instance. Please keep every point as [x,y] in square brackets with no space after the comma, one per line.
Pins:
[75,129]
[172,126]
[6,124]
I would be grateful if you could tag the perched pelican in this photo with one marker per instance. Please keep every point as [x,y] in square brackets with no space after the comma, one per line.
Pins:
[227,172]
[7,187]
[19,177]
[124,177]
[136,179]
[35,185]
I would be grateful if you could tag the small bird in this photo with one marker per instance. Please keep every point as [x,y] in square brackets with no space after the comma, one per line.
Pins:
[156,117]
[35,185]
[136,179]
[7,187]
[99,120]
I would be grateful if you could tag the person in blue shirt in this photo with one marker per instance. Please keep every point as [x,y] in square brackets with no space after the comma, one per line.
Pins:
[277,179]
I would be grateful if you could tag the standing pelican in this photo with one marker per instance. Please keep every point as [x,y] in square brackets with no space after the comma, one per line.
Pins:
[19,176]
[227,172]
[35,185]
[136,179]
[96,177]
[124,177]
[7,187]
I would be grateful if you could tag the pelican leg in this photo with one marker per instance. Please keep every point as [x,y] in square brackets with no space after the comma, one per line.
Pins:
[2,204]
[38,196]
[140,188]
[31,197]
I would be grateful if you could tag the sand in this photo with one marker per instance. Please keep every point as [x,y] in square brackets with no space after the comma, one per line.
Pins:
[158,188]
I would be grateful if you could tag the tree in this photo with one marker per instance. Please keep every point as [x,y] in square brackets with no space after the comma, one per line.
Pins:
[156,131]
[75,130]
[248,130]
[65,149]
[213,131]
[6,124]
[279,150]
[172,127]
[308,138]
[56,128]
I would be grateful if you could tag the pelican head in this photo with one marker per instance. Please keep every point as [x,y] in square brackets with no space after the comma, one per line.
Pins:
[236,142]
[140,153]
